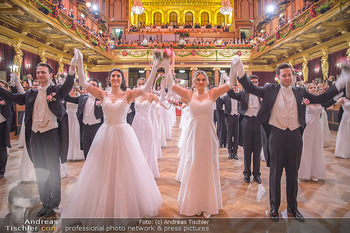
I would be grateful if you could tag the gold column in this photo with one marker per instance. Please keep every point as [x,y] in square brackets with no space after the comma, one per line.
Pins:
[291,63]
[325,64]
[148,71]
[348,51]
[42,53]
[305,68]
[17,60]
[216,76]
[86,72]
[60,65]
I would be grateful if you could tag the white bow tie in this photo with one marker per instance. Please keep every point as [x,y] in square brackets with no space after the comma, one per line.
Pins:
[40,88]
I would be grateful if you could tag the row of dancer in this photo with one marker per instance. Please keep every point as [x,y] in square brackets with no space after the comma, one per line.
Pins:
[121,172]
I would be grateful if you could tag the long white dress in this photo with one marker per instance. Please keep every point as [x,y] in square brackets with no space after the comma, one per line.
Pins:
[142,125]
[21,139]
[312,162]
[200,189]
[325,128]
[156,130]
[115,181]
[74,151]
[342,146]
[161,125]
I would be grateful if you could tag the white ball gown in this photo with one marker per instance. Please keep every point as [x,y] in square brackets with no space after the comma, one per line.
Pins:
[156,131]
[312,162]
[115,181]
[200,189]
[74,151]
[325,129]
[143,127]
[342,146]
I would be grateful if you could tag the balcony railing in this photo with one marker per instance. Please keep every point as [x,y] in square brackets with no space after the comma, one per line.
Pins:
[313,12]
[52,10]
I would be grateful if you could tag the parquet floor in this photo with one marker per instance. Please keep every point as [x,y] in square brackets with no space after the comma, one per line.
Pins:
[329,198]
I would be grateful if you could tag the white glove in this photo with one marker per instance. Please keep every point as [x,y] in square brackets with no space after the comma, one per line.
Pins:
[12,79]
[237,65]
[81,74]
[73,62]
[15,80]
[175,96]
[151,77]
[344,80]
[162,91]
[168,76]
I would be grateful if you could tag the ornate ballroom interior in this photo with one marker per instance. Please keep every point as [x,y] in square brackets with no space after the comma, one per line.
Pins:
[312,36]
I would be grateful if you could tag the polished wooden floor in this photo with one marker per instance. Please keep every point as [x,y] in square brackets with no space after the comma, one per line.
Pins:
[329,198]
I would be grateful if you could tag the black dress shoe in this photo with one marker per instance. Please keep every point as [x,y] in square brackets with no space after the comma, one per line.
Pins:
[247,179]
[50,213]
[42,212]
[230,156]
[296,214]
[257,179]
[235,156]
[274,215]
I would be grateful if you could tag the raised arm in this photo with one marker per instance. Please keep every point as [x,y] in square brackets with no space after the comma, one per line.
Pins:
[133,94]
[81,77]
[185,94]
[17,98]
[15,80]
[247,85]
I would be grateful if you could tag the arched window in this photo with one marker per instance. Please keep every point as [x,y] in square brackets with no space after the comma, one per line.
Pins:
[142,19]
[173,18]
[205,18]
[157,19]
[220,19]
[189,18]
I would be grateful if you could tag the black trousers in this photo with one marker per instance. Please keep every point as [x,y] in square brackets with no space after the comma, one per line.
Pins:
[3,149]
[89,132]
[46,149]
[251,132]
[232,133]
[285,148]
[221,130]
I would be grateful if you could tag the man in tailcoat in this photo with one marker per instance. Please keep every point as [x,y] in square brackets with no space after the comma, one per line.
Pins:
[46,132]
[282,115]
[90,117]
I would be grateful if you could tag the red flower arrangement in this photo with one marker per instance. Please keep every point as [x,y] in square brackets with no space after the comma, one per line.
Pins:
[291,26]
[265,43]
[182,33]
[107,48]
[99,43]
[54,12]
[277,35]
[88,35]
[239,53]
[312,12]
[74,25]
[124,53]
[193,53]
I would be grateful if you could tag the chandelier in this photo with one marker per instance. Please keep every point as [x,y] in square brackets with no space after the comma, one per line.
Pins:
[138,8]
[226,7]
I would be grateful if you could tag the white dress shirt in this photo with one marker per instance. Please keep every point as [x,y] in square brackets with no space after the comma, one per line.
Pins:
[253,106]
[284,112]
[30,82]
[43,119]
[234,107]
[89,112]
